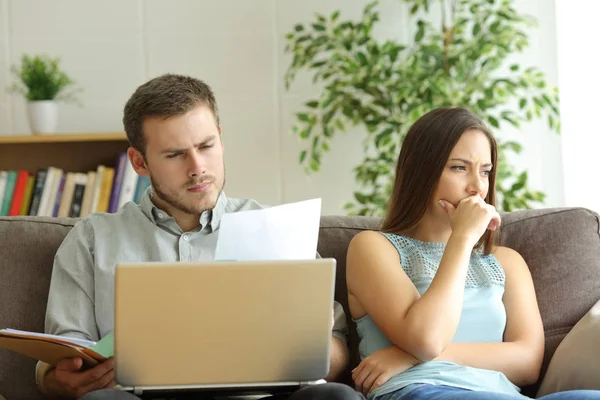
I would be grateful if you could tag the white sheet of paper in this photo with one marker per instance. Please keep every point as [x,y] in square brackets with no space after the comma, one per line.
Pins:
[285,232]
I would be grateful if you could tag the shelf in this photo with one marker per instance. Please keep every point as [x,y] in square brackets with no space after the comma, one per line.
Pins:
[70,152]
[62,138]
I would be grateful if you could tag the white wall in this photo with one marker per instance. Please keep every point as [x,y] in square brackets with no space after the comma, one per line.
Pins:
[112,46]
[580,85]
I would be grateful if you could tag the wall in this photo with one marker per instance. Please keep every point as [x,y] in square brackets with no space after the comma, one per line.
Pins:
[580,85]
[110,47]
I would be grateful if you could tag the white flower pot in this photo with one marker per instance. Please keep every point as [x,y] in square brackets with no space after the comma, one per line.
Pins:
[43,116]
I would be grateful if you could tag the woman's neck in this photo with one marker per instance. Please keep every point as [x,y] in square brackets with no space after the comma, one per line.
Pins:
[431,229]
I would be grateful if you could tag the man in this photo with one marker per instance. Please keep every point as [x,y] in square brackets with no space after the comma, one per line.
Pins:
[172,124]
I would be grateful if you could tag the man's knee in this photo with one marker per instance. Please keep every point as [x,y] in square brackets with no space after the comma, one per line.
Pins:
[109,394]
[329,391]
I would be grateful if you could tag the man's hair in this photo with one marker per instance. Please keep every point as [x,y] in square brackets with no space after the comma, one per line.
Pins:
[165,96]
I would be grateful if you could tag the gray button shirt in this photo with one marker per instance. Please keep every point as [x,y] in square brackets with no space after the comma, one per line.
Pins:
[81,298]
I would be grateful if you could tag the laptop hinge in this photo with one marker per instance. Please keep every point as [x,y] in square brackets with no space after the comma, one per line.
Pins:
[138,391]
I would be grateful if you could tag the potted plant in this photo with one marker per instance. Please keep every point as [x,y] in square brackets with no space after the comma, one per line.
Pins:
[43,84]
[384,86]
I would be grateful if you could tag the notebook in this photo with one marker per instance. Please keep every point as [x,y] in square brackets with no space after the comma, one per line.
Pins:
[223,326]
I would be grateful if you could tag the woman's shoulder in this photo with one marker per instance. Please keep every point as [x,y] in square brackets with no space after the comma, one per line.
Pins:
[507,257]
[369,237]
[370,242]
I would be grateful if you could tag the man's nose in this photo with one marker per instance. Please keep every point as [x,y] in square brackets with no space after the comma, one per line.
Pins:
[196,165]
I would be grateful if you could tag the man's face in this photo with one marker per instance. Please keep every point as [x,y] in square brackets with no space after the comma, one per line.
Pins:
[184,160]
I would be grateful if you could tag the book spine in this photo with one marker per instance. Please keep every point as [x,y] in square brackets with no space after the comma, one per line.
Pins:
[129,183]
[19,194]
[11,181]
[28,196]
[78,193]
[38,190]
[58,197]
[113,204]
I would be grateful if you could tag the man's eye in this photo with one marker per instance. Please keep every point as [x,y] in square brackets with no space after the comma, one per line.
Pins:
[173,155]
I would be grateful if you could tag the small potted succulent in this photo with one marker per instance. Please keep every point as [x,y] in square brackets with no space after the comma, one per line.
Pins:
[43,84]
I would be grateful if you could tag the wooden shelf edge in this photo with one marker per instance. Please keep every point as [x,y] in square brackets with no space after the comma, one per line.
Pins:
[56,138]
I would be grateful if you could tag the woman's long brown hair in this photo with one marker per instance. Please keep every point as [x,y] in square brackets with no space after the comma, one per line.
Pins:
[424,154]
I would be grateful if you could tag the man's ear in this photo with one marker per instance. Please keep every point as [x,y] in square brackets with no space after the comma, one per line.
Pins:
[137,161]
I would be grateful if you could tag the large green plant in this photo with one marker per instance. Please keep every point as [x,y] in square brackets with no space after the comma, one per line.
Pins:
[382,87]
[40,77]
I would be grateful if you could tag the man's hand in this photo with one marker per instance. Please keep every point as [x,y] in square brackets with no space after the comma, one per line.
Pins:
[379,367]
[66,379]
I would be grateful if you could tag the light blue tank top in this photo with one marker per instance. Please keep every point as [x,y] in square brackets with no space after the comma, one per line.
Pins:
[483,319]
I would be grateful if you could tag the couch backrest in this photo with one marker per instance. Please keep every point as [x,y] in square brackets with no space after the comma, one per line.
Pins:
[561,247]
[27,249]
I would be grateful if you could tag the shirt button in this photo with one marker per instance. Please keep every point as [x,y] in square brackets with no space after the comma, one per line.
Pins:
[160,215]
[185,237]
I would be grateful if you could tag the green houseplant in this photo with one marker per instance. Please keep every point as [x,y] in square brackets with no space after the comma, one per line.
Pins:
[382,87]
[42,82]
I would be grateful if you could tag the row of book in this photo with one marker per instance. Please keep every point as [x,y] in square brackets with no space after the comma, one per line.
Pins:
[53,192]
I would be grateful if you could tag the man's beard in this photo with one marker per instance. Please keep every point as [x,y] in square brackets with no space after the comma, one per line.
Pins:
[177,202]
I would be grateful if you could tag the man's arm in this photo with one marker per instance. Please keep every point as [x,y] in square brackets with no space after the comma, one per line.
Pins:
[70,308]
[339,348]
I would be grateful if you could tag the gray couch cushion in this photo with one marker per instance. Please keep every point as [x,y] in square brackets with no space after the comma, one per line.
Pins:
[26,254]
[562,249]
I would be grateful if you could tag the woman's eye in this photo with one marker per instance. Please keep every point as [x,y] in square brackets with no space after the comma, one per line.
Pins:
[459,168]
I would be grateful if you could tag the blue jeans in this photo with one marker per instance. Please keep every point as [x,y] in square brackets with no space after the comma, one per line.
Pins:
[418,391]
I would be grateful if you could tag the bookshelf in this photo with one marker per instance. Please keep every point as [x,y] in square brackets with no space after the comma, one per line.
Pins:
[70,152]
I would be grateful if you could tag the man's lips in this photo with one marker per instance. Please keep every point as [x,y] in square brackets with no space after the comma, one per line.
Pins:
[200,187]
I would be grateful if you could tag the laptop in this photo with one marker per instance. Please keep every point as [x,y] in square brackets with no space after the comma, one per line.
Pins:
[223,326]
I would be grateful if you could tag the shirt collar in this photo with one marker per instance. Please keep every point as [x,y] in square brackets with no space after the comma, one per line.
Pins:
[210,218]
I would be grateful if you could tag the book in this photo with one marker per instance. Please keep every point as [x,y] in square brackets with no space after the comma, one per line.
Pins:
[67,195]
[27,197]
[19,193]
[78,193]
[51,349]
[58,195]
[130,179]
[105,189]
[38,190]
[11,181]
[88,194]
[117,183]
[3,179]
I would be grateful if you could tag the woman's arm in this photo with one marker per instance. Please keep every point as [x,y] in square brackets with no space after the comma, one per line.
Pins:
[420,325]
[519,357]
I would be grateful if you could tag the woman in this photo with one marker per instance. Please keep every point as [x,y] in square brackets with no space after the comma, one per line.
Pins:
[441,312]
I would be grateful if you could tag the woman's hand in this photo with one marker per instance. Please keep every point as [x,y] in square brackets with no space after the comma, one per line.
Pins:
[379,367]
[471,217]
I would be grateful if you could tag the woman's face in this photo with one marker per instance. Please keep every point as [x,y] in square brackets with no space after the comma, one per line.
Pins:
[467,170]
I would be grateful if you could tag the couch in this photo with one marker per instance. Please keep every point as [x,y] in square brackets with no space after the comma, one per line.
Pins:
[561,247]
